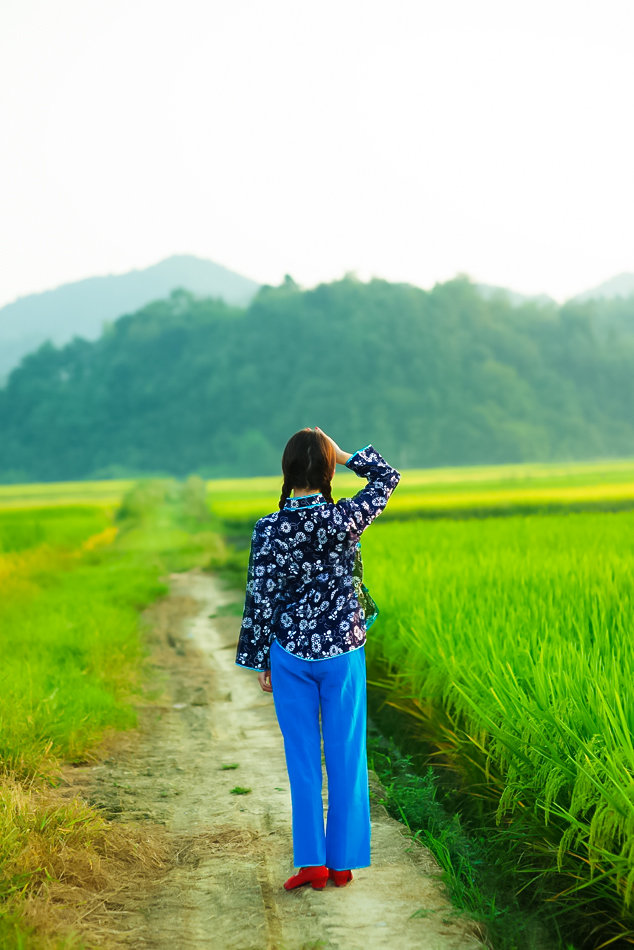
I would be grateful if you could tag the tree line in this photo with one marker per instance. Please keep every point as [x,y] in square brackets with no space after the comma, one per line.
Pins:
[431,378]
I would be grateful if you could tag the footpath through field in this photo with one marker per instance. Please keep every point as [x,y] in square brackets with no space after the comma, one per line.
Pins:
[233,851]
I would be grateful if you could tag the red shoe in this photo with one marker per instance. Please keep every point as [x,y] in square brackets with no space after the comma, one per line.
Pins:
[341,878]
[317,877]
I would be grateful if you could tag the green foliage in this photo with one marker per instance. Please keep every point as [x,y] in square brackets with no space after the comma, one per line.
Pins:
[69,652]
[63,526]
[432,378]
[195,505]
[69,626]
[475,869]
[509,643]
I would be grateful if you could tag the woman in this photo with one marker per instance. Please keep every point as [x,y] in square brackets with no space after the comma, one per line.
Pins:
[306,614]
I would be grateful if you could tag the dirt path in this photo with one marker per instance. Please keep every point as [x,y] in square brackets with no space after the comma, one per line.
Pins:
[232,852]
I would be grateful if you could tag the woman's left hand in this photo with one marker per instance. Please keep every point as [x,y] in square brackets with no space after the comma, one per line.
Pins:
[264,679]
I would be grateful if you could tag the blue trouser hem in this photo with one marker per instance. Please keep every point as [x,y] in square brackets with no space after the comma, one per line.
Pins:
[355,867]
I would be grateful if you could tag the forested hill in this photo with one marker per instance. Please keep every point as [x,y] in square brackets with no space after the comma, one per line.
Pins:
[81,308]
[438,377]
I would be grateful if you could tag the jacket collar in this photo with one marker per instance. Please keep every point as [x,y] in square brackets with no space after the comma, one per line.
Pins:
[305,501]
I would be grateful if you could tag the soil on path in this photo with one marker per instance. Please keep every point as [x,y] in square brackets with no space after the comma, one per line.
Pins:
[231,852]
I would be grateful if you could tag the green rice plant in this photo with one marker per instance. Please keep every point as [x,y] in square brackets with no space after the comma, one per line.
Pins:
[509,640]
[60,526]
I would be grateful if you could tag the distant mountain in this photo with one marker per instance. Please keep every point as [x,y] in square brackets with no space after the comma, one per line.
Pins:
[620,286]
[81,308]
[491,290]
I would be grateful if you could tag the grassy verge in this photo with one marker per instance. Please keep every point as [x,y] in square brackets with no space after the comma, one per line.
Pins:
[475,869]
[72,585]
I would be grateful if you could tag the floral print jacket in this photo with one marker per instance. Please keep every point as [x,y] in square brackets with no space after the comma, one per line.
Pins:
[304,582]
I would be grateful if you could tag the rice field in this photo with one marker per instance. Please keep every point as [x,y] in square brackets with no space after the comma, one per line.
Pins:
[68,647]
[107,493]
[73,578]
[508,643]
[455,492]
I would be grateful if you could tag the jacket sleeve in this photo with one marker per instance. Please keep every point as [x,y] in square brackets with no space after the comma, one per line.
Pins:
[255,632]
[361,510]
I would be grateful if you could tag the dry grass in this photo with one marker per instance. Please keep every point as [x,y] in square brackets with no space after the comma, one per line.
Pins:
[78,880]
[221,842]
[67,868]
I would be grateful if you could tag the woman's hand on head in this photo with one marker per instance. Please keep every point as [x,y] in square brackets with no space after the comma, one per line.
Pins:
[264,679]
[341,456]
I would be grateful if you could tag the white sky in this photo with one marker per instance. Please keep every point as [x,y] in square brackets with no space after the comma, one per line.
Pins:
[407,139]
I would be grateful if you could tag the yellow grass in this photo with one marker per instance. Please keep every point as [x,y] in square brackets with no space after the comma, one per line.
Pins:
[434,490]
[106,492]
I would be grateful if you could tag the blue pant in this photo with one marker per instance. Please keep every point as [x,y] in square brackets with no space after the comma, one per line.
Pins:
[338,685]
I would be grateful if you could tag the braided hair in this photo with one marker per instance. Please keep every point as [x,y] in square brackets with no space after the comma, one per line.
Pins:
[308,461]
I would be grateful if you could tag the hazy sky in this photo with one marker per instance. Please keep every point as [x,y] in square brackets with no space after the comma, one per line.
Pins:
[407,139]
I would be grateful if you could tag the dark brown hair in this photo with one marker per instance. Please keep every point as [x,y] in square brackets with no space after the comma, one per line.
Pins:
[308,461]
